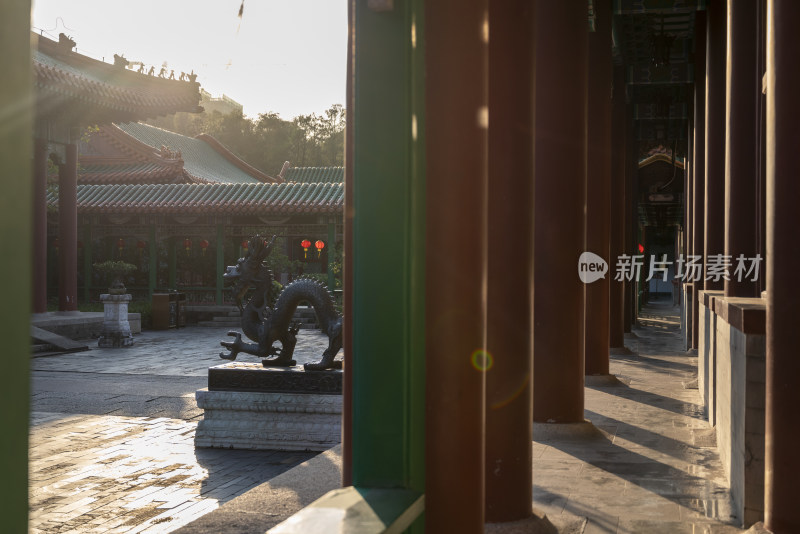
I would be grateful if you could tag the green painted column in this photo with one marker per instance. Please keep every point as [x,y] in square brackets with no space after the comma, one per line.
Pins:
[331,256]
[173,261]
[388,221]
[16,201]
[220,262]
[153,252]
[87,262]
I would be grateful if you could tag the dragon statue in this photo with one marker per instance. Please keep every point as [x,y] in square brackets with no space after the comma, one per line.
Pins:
[265,325]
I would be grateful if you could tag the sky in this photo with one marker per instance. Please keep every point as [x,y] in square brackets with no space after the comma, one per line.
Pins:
[286,56]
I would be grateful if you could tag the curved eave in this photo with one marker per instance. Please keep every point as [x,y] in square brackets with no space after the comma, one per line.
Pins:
[217,198]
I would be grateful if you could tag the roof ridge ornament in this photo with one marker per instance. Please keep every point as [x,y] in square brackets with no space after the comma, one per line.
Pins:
[66,43]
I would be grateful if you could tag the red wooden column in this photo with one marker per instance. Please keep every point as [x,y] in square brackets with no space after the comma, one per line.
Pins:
[714,225]
[68,230]
[39,226]
[456,123]
[687,190]
[560,165]
[687,228]
[631,221]
[741,151]
[347,274]
[617,241]
[699,157]
[783,255]
[598,190]
[509,393]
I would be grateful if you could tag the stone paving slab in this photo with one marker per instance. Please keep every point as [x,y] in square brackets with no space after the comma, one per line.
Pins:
[134,474]
[651,469]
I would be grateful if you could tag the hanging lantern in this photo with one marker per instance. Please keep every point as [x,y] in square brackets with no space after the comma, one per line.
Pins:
[641,248]
[245,246]
[120,245]
[187,245]
[140,246]
[320,244]
[204,246]
[55,245]
[305,243]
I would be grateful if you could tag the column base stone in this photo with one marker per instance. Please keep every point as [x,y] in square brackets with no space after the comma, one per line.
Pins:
[599,381]
[621,351]
[565,431]
[540,523]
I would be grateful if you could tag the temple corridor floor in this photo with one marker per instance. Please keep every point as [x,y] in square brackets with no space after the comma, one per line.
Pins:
[653,466]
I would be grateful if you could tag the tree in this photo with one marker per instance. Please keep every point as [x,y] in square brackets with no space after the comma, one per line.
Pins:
[269,140]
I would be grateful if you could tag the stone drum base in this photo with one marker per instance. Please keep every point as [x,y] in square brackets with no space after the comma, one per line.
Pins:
[248,406]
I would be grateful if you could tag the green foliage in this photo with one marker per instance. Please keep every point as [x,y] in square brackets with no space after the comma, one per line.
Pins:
[267,141]
[115,271]
[118,268]
[278,262]
[145,309]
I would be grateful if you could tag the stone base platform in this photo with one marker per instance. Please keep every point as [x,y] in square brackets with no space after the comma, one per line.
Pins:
[79,325]
[248,406]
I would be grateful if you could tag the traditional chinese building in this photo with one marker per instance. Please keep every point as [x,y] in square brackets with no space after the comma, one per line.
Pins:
[139,200]
[73,92]
[182,208]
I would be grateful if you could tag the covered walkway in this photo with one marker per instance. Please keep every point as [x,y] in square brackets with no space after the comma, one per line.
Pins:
[653,466]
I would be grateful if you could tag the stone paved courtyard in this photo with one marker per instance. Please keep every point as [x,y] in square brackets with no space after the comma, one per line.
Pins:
[112,436]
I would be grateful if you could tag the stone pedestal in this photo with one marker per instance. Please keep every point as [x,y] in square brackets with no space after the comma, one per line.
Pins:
[248,406]
[116,328]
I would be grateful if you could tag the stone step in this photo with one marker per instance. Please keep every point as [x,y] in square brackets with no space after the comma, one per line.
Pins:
[225,317]
[238,325]
[59,343]
[218,324]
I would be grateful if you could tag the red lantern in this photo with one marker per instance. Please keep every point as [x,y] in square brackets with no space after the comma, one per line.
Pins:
[641,248]
[320,244]
[305,243]
[187,245]
[120,245]
[245,246]
[55,245]
[140,246]
[204,246]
